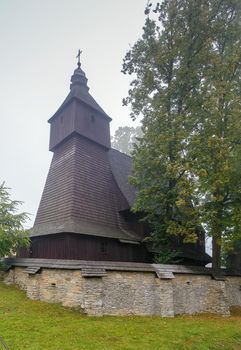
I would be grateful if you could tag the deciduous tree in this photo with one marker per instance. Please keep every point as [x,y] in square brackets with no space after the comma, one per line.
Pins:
[186,87]
[125,137]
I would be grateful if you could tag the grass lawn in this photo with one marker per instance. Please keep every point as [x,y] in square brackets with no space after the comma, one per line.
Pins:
[34,325]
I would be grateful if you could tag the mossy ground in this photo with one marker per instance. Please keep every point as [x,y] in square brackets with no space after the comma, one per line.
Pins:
[34,325]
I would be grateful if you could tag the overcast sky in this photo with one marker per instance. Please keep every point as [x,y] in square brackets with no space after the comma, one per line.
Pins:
[39,41]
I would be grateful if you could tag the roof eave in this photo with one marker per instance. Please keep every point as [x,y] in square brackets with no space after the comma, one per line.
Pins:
[65,104]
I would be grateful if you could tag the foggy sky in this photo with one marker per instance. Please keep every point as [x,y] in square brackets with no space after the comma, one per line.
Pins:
[39,41]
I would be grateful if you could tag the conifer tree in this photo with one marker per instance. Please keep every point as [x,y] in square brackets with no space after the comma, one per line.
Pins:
[12,233]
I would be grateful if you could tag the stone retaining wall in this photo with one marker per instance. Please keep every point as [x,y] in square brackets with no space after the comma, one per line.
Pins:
[130,292]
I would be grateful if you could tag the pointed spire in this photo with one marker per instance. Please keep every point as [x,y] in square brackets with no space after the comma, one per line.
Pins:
[79,79]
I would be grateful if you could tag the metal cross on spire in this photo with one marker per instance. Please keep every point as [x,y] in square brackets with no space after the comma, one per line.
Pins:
[78,56]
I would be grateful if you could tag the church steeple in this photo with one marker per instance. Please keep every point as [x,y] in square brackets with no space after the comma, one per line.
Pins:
[79,114]
[81,196]
[79,79]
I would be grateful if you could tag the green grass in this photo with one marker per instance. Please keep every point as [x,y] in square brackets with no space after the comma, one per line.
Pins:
[34,325]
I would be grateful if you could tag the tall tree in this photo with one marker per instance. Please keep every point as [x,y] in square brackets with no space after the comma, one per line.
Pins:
[125,138]
[187,88]
[217,145]
[12,233]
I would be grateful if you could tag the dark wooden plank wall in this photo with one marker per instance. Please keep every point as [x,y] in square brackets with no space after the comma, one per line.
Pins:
[80,247]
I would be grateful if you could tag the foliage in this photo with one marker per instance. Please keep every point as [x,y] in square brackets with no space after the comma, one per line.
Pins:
[125,137]
[3,265]
[162,249]
[187,165]
[12,233]
[53,325]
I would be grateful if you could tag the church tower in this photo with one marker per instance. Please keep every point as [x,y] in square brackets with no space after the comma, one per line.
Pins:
[80,215]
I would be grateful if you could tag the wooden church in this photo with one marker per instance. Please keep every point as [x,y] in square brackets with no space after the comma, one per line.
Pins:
[84,212]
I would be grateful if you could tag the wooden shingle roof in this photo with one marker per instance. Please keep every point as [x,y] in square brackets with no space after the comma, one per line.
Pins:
[121,167]
[81,195]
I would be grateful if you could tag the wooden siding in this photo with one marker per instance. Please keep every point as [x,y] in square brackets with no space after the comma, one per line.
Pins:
[80,247]
[81,119]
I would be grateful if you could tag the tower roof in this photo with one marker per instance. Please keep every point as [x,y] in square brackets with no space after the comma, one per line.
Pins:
[80,91]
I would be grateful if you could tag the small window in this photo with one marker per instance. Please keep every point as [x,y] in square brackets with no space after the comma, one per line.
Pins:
[92,118]
[103,248]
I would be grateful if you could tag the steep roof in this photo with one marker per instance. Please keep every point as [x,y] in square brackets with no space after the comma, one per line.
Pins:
[121,167]
[81,194]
